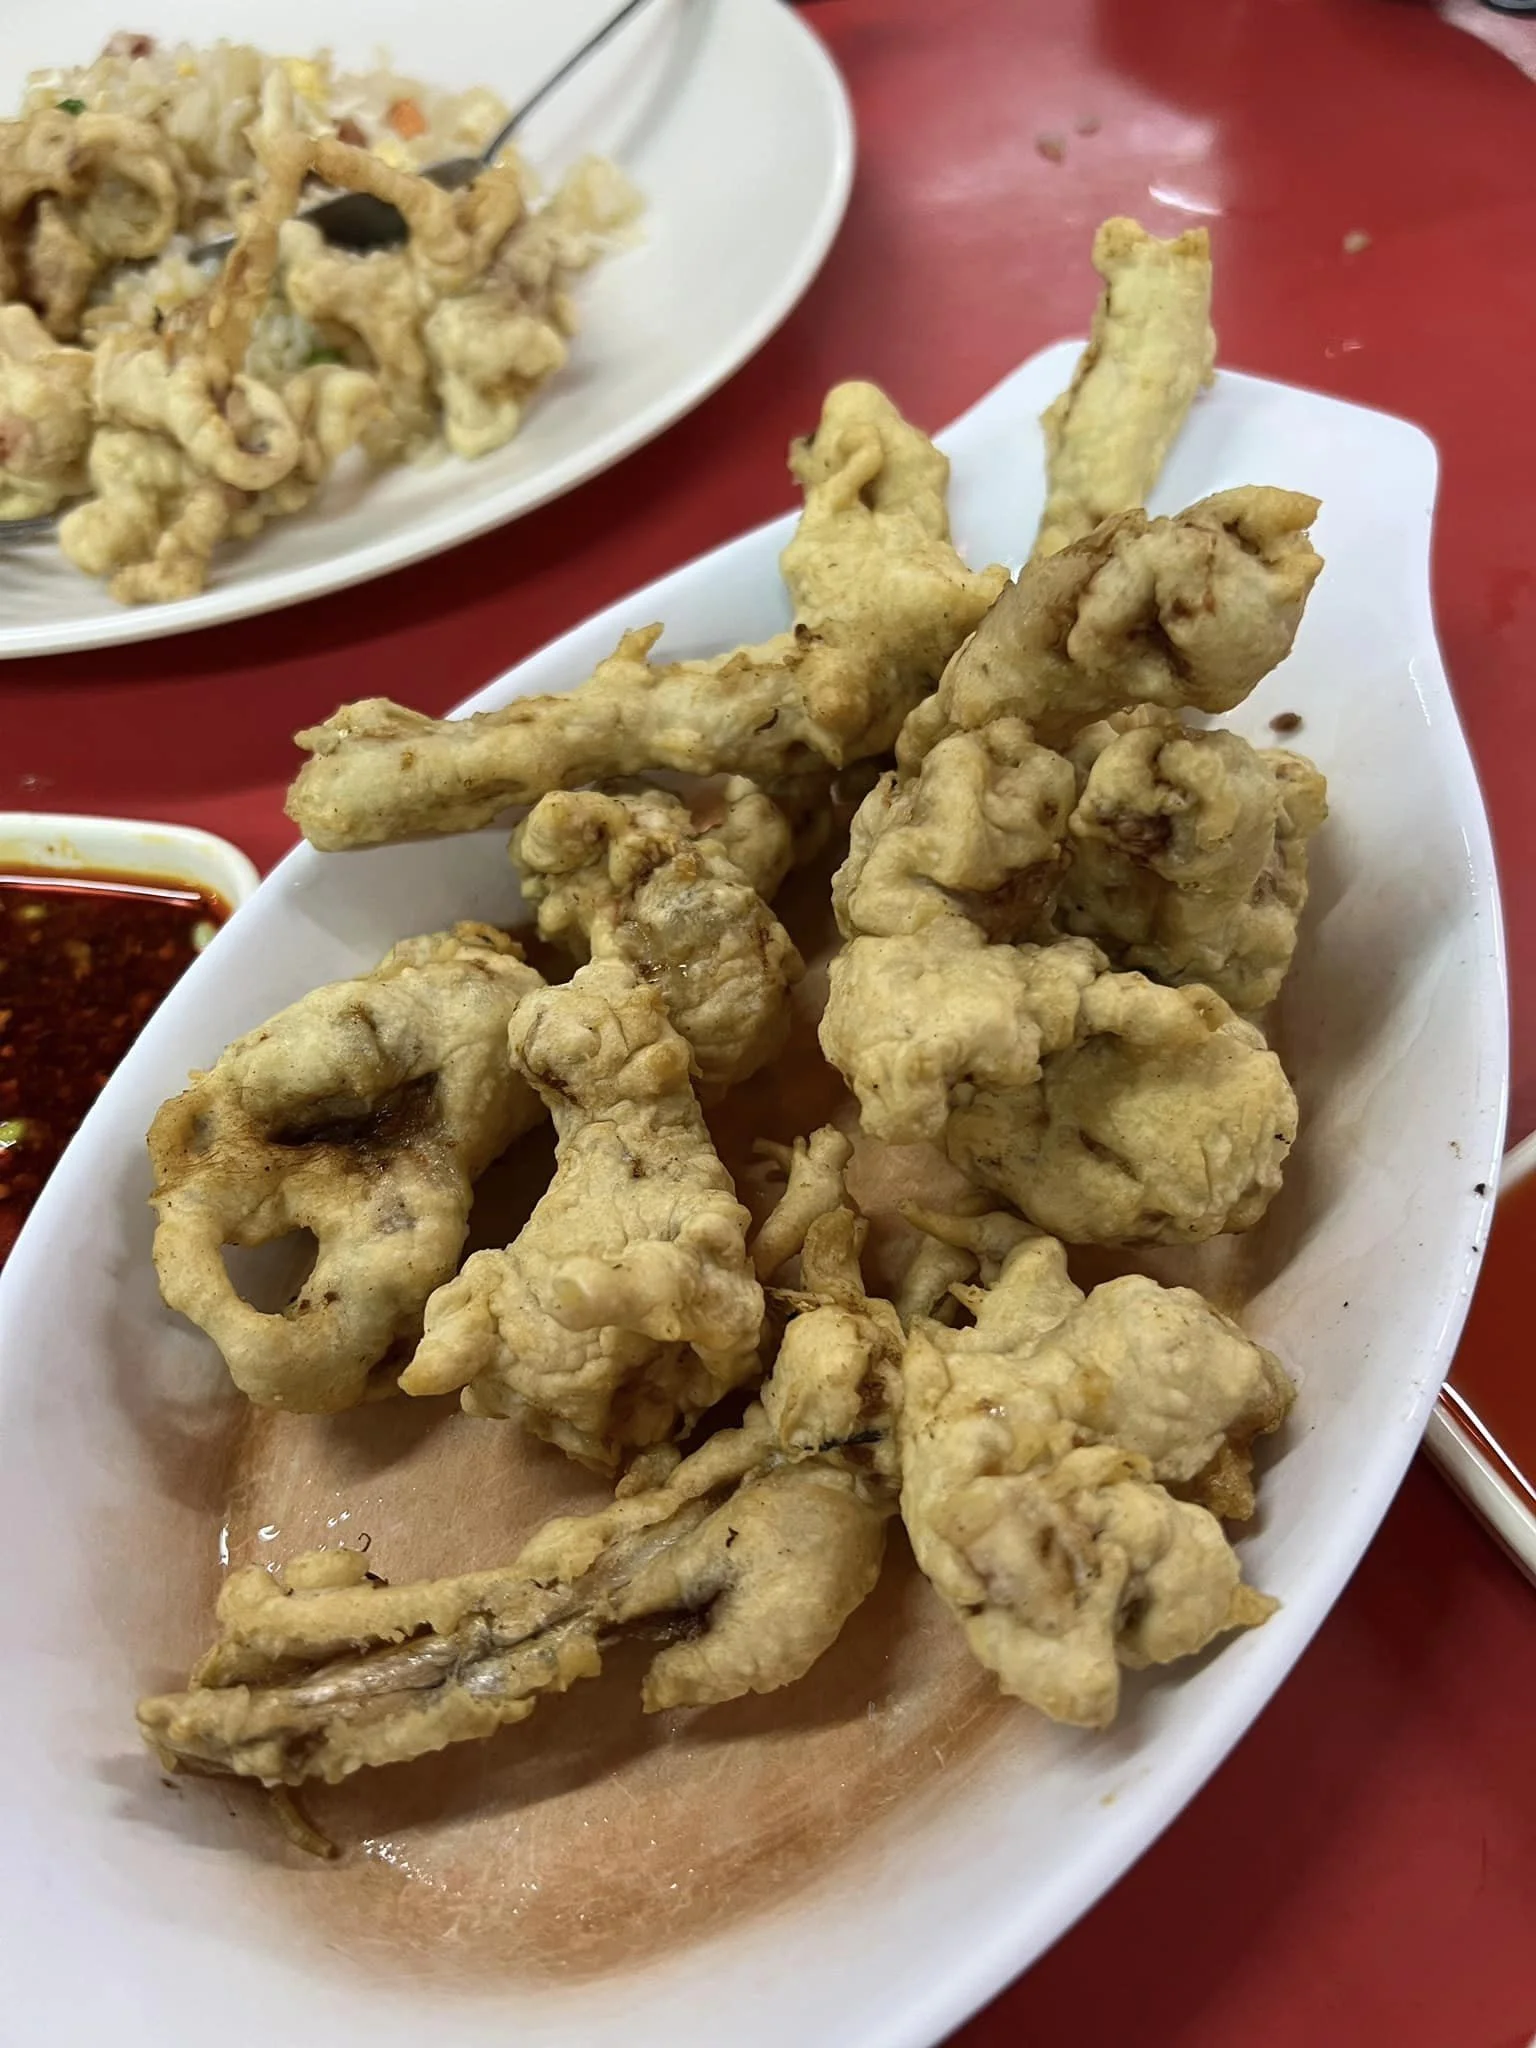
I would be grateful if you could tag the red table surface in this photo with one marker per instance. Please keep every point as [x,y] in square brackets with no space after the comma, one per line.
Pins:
[1364,1868]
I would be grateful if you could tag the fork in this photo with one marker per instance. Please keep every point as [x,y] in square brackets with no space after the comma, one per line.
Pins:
[358,221]
[40,527]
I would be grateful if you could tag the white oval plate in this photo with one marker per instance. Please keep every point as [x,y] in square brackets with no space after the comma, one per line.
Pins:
[1395,1027]
[730,117]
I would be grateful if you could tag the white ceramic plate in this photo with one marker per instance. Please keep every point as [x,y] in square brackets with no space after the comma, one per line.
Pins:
[730,117]
[1394,1023]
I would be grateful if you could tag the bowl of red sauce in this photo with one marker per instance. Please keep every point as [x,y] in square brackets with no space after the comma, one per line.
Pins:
[99,918]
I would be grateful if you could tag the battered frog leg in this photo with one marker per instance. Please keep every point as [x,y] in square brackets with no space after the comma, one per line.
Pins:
[753,1551]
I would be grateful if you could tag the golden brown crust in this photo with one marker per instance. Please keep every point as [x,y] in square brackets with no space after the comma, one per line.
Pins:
[637,878]
[1063,1464]
[1150,352]
[881,601]
[363,1114]
[747,1558]
[626,1305]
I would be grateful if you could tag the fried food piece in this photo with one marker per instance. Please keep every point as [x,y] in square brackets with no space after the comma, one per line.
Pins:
[813,1527]
[1064,1462]
[1168,1121]
[640,880]
[474,313]
[877,587]
[363,1114]
[45,416]
[187,382]
[977,833]
[333,409]
[970,842]
[1151,350]
[881,602]
[996,1050]
[78,192]
[772,1555]
[154,521]
[916,1024]
[323,1670]
[958,1246]
[1189,853]
[1106,1109]
[155,518]
[185,440]
[1188,611]
[371,301]
[833,1387]
[753,1552]
[813,1170]
[626,1306]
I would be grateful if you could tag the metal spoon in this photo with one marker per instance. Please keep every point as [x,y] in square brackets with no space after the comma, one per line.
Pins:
[356,220]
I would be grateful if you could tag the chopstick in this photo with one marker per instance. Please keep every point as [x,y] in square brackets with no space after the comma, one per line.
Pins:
[1471,1456]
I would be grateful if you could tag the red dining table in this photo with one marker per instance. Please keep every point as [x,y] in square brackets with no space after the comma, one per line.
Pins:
[1363,1868]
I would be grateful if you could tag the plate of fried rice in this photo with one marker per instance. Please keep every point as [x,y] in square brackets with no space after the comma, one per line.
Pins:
[207,439]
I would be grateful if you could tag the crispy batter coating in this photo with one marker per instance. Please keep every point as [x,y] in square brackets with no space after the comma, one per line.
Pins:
[1189,853]
[156,518]
[78,192]
[1151,350]
[1106,1109]
[239,435]
[833,1387]
[492,347]
[153,521]
[795,1552]
[917,1024]
[363,1114]
[627,1305]
[370,302]
[1063,1464]
[1168,1121]
[977,833]
[188,449]
[959,1245]
[752,1553]
[453,332]
[813,1170]
[1046,1079]
[1188,611]
[322,1670]
[873,575]
[186,380]
[881,602]
[45,416]
[641,880]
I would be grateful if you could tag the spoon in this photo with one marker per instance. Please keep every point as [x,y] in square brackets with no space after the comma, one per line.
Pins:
[358,221]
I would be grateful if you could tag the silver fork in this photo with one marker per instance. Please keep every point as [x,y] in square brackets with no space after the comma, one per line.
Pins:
[358,221]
